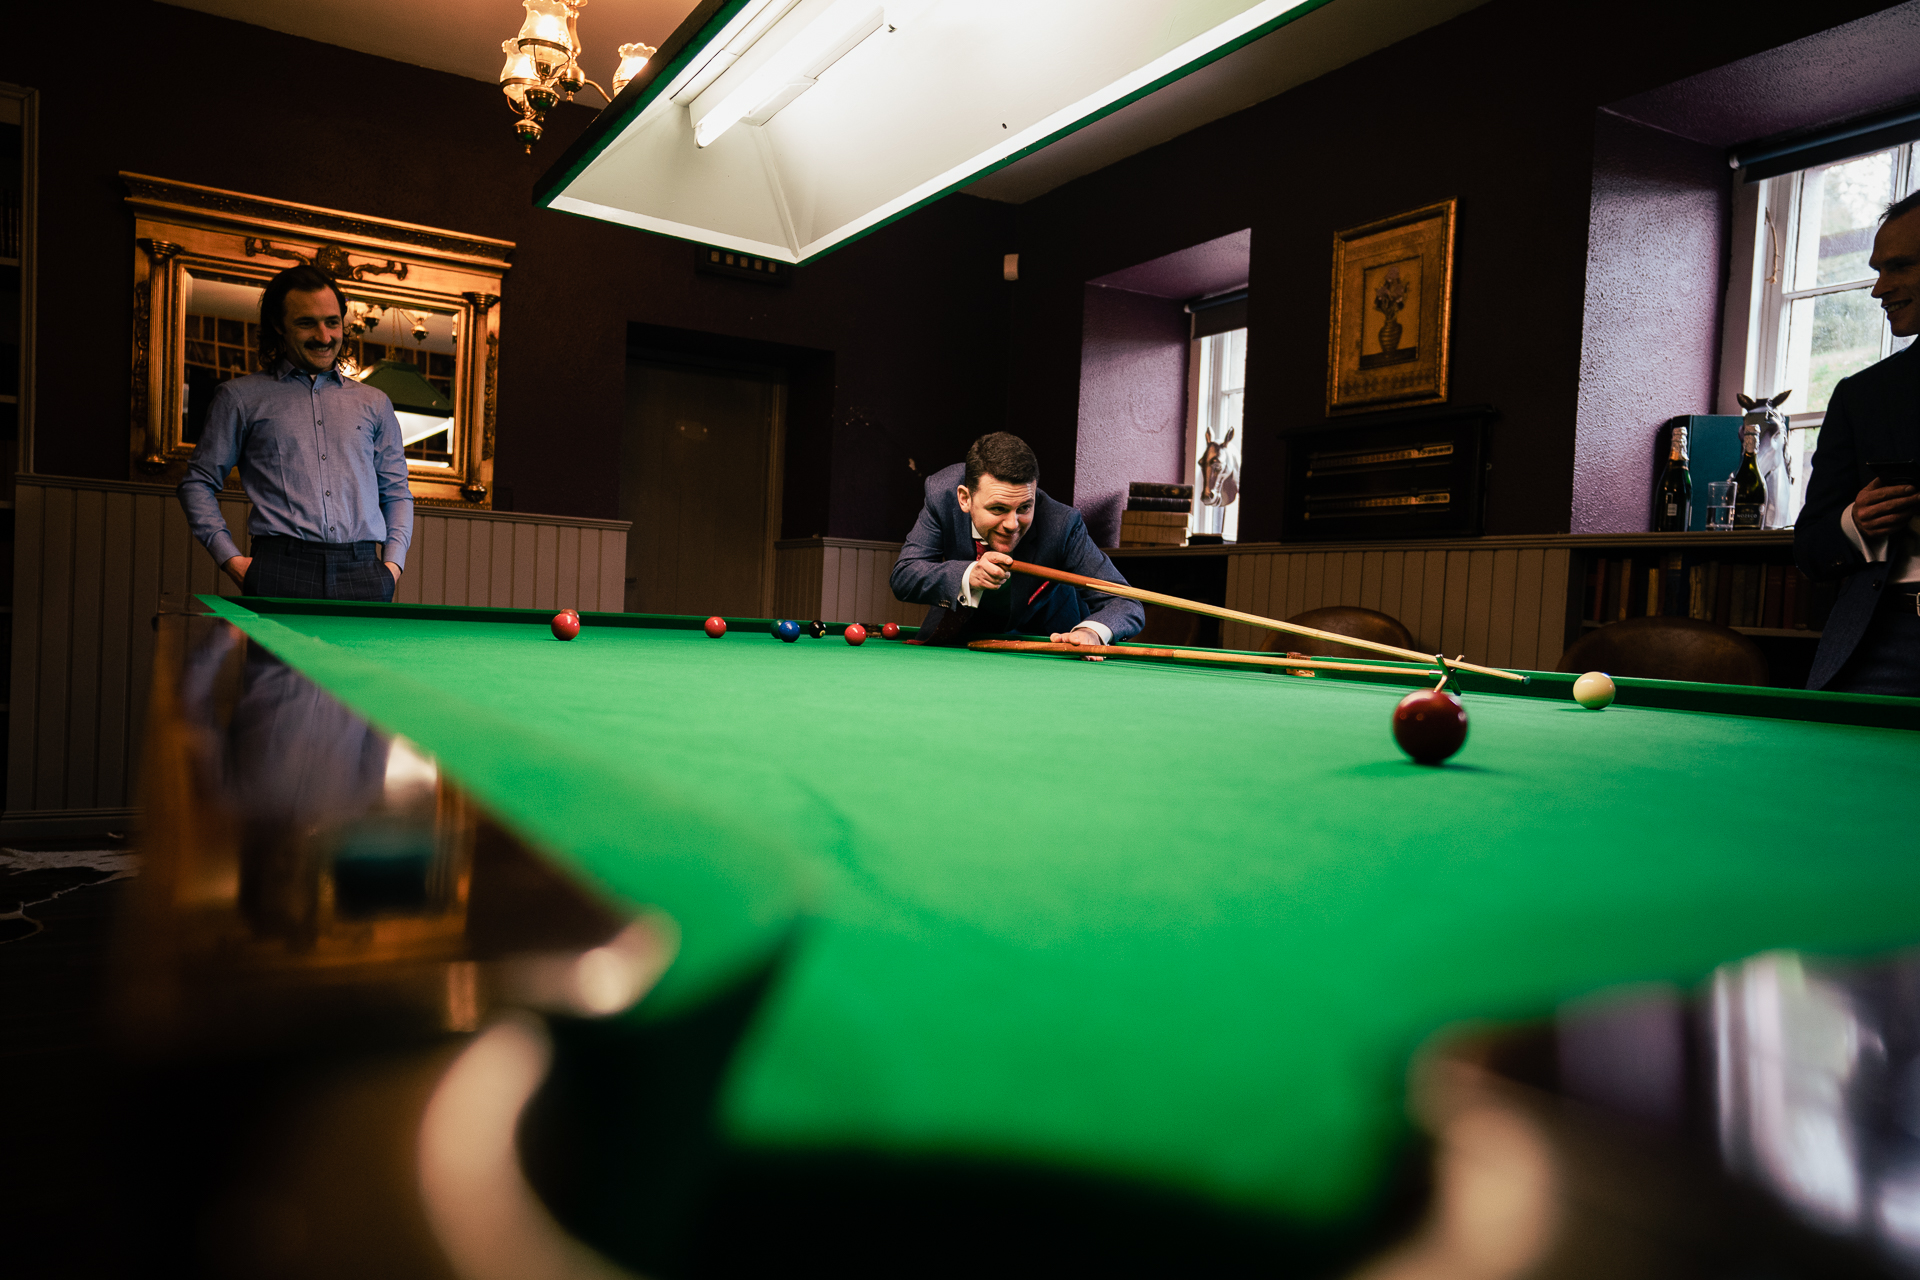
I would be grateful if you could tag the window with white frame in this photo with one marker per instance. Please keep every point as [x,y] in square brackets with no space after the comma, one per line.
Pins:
[1220,383]
[1814,319]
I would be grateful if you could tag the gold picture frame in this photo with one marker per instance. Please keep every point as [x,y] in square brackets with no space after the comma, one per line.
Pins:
[1392,312]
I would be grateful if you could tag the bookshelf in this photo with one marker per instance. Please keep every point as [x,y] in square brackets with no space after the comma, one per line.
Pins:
[1746,581]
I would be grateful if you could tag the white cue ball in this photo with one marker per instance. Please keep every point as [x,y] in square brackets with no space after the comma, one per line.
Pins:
[1593,690]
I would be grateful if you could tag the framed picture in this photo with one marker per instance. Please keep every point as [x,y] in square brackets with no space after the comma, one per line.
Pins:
[1392,307]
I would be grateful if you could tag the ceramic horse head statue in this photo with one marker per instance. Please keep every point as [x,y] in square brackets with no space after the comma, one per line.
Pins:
[1770,454]
[1219,483]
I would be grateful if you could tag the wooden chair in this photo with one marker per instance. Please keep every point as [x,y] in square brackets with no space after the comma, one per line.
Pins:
[1669,649]
[1346,620]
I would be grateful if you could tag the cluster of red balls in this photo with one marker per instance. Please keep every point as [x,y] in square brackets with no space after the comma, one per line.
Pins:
[566,625]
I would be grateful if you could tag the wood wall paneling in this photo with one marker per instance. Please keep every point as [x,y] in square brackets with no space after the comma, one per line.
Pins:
[96,561]
[1501,605]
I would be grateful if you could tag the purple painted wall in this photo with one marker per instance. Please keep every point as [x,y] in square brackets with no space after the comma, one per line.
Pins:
[1490,109]
[1133,402]
[1655,281]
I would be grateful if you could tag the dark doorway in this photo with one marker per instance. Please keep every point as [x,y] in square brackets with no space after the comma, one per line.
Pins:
[700,465]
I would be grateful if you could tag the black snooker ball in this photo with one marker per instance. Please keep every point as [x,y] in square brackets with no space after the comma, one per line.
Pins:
[816,628]
[1429,725]
[787,630]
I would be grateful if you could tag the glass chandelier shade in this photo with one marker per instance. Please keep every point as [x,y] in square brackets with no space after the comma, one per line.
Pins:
[632,58]
[544,35]
[518,74]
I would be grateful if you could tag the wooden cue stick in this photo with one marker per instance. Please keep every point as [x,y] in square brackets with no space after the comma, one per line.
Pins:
[1251,619]
[1197,655]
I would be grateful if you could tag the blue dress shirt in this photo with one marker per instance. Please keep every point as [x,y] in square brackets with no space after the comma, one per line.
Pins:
[319,456]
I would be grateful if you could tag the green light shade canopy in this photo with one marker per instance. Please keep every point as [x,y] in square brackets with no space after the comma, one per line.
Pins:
[784,128]
[417,403]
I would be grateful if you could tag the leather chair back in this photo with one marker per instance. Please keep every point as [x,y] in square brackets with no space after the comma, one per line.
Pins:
[1669,649]
[1346,620]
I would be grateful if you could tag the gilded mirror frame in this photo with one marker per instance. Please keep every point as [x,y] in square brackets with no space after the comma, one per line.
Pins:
[180,228]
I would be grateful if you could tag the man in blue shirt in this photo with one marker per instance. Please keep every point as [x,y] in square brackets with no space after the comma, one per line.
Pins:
[319,455]
[958,556]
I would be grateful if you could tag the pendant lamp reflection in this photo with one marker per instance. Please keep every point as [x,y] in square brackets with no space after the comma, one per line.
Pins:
[417,403]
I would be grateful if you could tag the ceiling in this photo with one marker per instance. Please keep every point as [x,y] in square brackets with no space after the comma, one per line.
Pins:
[463,37]
[1833,75]
[1199,271]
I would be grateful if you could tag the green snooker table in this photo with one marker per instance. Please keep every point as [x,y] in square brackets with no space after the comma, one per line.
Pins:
[1159,926]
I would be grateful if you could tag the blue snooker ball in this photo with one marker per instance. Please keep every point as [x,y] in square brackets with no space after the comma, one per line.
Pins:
[787,630]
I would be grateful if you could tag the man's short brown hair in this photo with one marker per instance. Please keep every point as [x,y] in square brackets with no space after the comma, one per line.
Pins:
[1003,456]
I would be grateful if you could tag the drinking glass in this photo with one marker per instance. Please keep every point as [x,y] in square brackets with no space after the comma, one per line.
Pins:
[1720,505]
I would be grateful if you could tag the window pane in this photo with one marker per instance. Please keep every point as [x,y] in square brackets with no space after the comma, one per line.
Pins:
[1847,199]
[1828,338]
[1223,378]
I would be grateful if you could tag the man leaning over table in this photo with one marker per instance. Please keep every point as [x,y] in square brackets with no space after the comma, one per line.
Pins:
[958,556]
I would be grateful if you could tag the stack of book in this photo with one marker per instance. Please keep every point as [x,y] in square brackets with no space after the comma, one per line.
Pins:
[1771,597]
[1157,515]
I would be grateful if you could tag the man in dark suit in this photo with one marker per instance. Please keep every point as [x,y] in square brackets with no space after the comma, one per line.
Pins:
[956,558]
[1858,527]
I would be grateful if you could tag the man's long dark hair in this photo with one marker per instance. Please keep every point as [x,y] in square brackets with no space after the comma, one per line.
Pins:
[273,309]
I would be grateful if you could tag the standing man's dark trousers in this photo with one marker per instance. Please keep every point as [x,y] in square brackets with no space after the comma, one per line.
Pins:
[1887,659]
[317,570]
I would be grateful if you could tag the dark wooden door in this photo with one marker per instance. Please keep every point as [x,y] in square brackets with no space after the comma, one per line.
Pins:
[699,467]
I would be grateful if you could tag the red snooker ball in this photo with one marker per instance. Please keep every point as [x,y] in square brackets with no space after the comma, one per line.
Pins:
[566,625]
[1429,725]
[891,631]
[856,634]
[715,627]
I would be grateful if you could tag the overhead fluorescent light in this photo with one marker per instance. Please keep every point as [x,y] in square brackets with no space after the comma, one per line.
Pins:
[760,94]
[956,89]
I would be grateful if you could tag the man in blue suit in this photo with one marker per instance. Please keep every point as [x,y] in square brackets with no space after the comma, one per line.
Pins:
[956,558]
[1856,526]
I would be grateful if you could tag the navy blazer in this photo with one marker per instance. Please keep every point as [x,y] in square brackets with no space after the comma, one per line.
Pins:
[939,553]
[1874,416]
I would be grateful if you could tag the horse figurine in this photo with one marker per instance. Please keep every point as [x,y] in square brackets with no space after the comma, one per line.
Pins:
[1770,455]
[1219,472]
[1219,484]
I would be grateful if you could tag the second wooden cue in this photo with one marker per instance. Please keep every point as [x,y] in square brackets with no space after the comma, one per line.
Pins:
[1251,619]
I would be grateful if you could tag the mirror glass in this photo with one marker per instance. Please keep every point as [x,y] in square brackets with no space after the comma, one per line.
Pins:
[407,351]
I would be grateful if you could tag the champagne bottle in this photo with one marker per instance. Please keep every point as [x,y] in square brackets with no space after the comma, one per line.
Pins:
[1673,500]
[1749,489]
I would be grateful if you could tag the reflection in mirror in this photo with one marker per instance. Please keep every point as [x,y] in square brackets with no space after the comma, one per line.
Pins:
[222,341]
[409,354]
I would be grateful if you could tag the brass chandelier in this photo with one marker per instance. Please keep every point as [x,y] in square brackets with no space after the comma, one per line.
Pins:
[543,64]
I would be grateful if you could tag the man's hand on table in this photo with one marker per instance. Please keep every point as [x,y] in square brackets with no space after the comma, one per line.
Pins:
[1881,508]
[1077,636]
[990,571]
[236,568]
